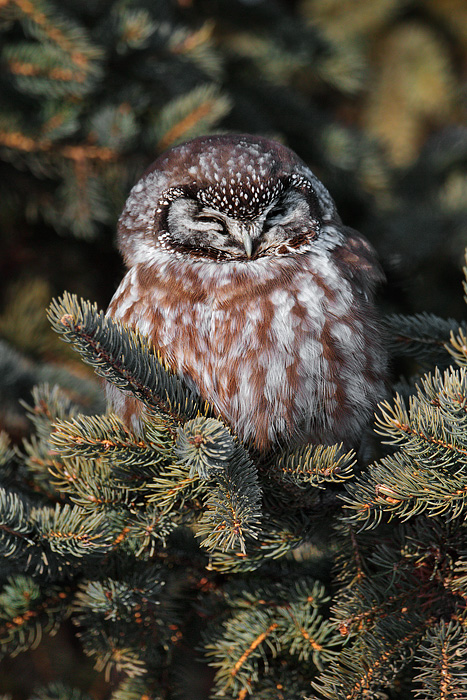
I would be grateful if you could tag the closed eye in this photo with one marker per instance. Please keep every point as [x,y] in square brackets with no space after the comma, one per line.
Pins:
[209,219]
[207,222]
[278,211]
[289,210]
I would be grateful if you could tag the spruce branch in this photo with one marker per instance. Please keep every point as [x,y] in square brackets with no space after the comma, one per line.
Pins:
[400,486]
[232,512]
[123,622]
[423,336]
[315,465]
[441,662]
[41,22]
[124,357]
[112,654]
[105,437]
[458,582]
[278,537]
[6,451]
[405,589]
[59,691]
[157,430]
[204,445]
[458,347]
[16,529]
[305,632]
[351,564]
[271,625]
[198,46]
[239,654]
[173,490]
[114,600]
[7,460]
[149,531]
[213,469]
[402,578]
[93,486]
[49,405]
[37,453]
[428,473]
[135,689]
[70,533]
[190,115]
[29,610]
[464,281]
[44,68]
[24,143]
[364,670]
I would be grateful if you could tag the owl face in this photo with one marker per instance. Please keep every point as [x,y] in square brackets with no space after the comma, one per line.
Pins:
[236,198]
[202,230]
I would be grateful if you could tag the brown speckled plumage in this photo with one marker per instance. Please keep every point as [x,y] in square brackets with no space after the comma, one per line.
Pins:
[244,277]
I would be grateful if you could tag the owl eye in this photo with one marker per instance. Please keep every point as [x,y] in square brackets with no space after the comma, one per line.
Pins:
[208,219]
[277,212]
[209,222]
[290,211]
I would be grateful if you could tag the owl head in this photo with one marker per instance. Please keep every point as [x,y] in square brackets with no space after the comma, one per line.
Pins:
[225,198]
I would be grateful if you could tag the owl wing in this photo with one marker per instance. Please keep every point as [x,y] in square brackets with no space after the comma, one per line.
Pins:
[357,260]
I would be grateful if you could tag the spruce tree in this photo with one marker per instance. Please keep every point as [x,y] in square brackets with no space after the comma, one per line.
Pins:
[175,564]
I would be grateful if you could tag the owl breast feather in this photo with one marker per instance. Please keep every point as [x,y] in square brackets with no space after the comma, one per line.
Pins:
[277,347]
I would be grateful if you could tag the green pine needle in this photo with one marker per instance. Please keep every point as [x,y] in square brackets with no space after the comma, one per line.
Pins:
[204,445]
[106,437]
[70,533]
[6,451]
[124,357]
[315,465]
[29,610]
[429,471]
[59,691]
[441,662]
[457,347]
[16,529]
[232,513]
[136,689]
[423,336]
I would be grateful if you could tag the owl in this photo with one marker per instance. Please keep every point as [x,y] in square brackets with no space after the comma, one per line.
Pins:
[244,278]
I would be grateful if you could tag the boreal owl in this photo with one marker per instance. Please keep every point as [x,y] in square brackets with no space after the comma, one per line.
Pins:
[244,277]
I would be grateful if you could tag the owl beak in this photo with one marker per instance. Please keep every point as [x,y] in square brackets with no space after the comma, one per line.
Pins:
[247,243]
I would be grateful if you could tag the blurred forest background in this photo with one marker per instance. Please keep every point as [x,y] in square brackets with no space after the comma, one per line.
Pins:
[372,94]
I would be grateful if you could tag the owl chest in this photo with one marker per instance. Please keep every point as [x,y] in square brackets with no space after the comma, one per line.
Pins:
[277,360]
[252,348]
